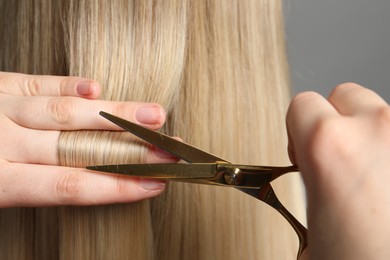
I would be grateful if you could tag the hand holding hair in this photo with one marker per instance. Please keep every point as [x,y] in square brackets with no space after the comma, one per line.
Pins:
[342,147]
[33,111]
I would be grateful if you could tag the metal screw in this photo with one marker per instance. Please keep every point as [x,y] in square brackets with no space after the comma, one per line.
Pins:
[233,176]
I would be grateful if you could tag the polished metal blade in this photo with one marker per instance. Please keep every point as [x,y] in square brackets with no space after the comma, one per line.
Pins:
[180,149]
[168,171]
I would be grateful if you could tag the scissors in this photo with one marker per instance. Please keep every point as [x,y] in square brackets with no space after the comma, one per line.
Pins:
[205,168]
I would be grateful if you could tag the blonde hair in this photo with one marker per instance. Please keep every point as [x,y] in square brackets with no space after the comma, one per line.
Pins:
[218,68]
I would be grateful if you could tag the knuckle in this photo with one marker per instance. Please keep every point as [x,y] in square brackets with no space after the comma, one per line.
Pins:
[64,85]
[298,102]
[303,97]
[68,187]
[341,88]
[122,110]
[60,110]
[31,86]
[346,85]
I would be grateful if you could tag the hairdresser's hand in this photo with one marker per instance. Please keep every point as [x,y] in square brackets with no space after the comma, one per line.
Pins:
[342,147]
[33,111]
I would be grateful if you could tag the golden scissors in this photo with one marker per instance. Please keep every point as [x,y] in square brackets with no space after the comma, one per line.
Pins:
[205,168]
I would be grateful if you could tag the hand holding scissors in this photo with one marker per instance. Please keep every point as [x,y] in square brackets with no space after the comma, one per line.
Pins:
[342,147]
[205,168]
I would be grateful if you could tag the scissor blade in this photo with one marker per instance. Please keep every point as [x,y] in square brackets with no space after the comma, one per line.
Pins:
[179,149]
[168,171]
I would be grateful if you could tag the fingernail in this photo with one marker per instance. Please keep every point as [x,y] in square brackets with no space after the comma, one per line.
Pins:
[150,184]
[149,114]
[84,88]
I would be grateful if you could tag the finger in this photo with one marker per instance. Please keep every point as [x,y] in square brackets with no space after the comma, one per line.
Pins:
[37,185]
[70,113]
[28,145]
[306,111]
[36,85]
[41,147]
[351,99]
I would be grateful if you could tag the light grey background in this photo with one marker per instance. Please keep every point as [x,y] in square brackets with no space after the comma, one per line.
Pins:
[335,41]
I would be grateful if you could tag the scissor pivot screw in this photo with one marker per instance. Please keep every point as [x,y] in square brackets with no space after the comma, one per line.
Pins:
[233,176]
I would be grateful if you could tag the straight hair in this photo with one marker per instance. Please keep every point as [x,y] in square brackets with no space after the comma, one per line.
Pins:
[219,69]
